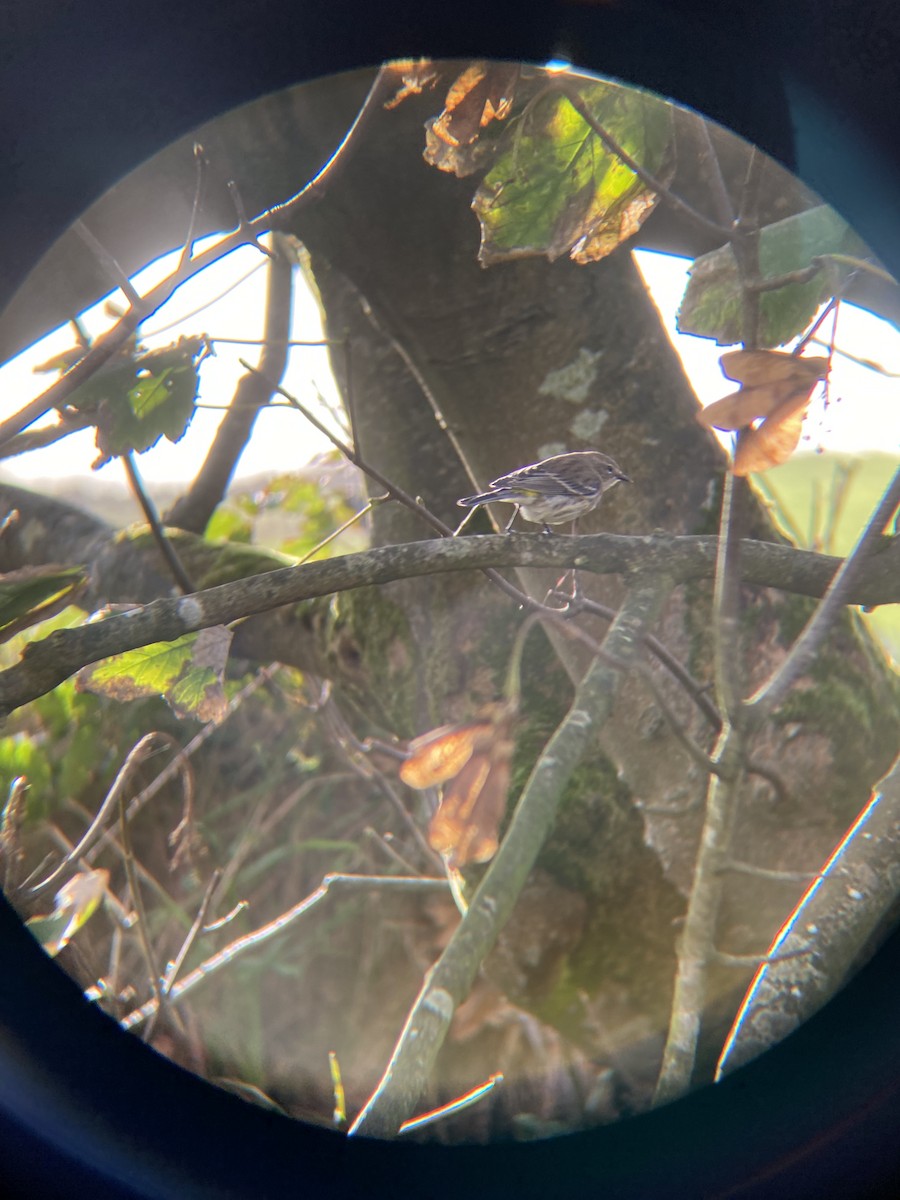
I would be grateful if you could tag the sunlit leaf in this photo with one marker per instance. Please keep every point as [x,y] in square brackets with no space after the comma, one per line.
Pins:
[187,673]
[27,595]
[20,754]
[713,302]
[76,902]
[227,525]
[554,189]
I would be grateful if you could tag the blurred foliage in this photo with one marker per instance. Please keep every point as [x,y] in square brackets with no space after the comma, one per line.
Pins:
[822,501]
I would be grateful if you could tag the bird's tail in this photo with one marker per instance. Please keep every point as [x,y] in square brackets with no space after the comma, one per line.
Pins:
[474,501]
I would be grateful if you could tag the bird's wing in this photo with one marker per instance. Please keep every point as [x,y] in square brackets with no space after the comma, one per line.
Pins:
[543,481]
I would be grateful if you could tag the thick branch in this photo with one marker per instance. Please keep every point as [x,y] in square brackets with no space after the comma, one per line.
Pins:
[46,663]
[194,509]
[829,931]
[695,950]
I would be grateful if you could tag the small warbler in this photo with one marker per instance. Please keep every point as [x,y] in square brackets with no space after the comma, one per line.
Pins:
[554,490]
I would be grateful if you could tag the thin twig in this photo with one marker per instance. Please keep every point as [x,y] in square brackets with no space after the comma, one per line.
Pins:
[185,753]
[149,744]
[199,924]
[151,516]
[711,168]
[193,510]
[137,900]
[201,165]
[146,876]
[109,264]
[698,692]
[743,868]
[257,937]
[147,334]
[69,422]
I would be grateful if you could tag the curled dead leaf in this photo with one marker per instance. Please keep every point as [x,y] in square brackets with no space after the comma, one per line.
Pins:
[770,404]
[473,762]
[483,93]
[413,77]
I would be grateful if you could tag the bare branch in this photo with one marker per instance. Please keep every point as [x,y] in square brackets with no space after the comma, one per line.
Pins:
[148,745]
[194,509]
[46,663]
[151,516]
[830,930]
[695,948]
[330,884]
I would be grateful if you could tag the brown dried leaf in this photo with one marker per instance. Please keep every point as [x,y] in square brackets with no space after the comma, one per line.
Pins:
[771,382]
[754,368]
[483,93]
[775,392]
[414,76]
[770,444]
[440,754]
[474,761]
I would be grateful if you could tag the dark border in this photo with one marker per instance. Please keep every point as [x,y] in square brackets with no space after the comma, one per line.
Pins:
[90,89]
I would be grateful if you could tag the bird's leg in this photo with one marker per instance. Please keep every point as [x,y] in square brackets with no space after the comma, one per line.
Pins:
[560,584]
[509,523]
[464,522]
[545,528]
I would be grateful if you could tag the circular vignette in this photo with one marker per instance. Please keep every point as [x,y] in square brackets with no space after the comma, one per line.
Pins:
[90,94]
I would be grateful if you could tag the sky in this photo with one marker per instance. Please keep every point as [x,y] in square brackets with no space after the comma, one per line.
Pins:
[228,300]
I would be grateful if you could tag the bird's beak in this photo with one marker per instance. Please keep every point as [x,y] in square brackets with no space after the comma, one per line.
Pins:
[623,478]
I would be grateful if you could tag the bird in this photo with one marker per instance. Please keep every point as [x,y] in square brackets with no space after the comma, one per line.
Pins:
[554,490]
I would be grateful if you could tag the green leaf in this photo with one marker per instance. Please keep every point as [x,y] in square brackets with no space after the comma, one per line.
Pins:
[29,592]
[21,754]
[228,525]
[149,397]
[554,189]
[76,903]
[187,673]
[712,302]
